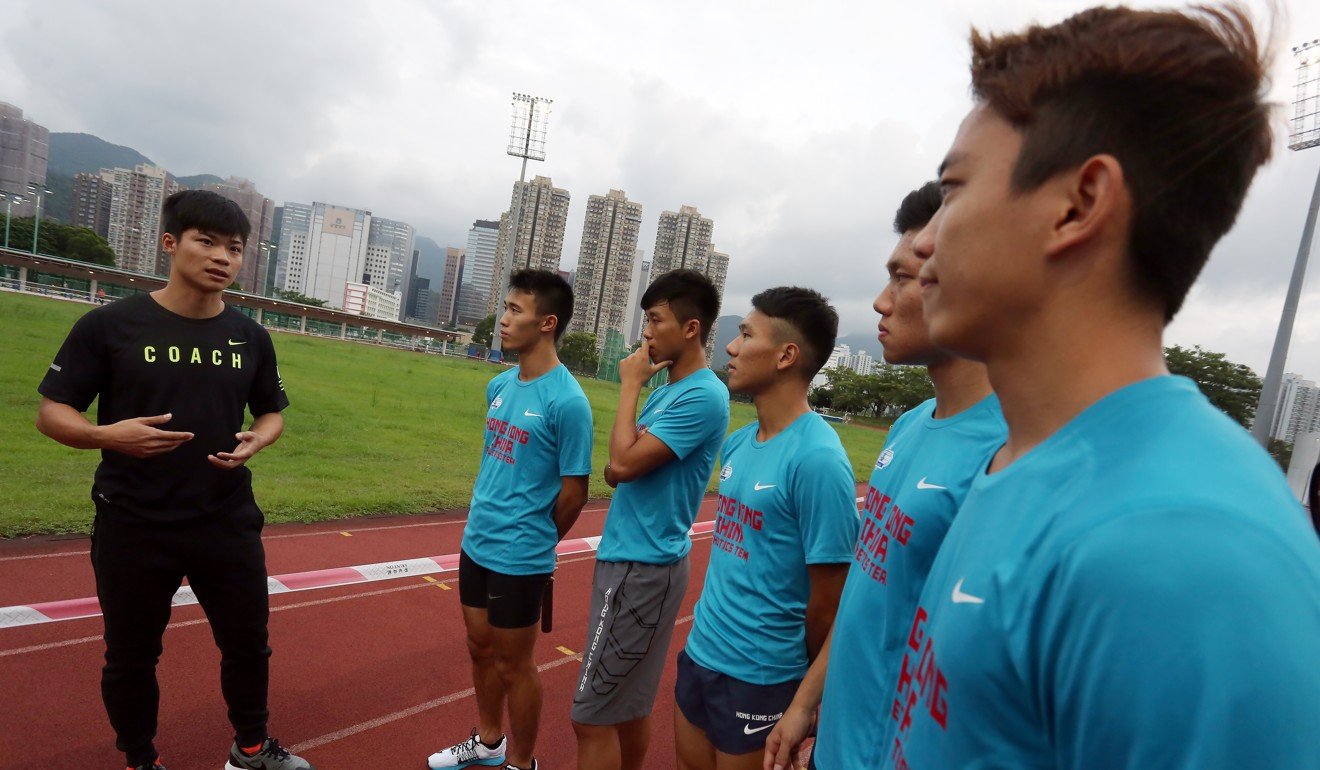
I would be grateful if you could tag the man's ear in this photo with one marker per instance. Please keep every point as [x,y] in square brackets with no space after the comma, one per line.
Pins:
[692,328]
[549,323]
[168,243]
[1093,199]
[788,356]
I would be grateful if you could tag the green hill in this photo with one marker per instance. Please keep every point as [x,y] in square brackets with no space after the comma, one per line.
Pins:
[370,430]
[72,154]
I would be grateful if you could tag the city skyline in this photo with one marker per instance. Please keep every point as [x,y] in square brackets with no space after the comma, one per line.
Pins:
[792,156]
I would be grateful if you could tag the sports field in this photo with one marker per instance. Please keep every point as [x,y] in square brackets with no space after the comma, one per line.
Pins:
[370,430]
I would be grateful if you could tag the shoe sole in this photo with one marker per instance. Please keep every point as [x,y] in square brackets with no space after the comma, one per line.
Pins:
[492,762]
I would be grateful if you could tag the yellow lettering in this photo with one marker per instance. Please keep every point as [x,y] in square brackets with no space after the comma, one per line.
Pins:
[174,354]
[216,358]
[237,361]
[196,356]
[149,353]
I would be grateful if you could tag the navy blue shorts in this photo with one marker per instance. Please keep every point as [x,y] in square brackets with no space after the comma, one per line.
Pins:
[735,715]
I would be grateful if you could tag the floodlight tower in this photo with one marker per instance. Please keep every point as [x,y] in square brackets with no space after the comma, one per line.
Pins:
[531,118]
[1304,133]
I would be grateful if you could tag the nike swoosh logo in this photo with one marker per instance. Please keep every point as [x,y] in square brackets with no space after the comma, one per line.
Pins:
[244,342]
[530,413]
[923,485]
[749,730]
[759,486]
[961,598]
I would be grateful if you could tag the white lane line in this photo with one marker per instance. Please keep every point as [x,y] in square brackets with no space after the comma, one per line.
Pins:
[286,536]
[421,708]
[279,608]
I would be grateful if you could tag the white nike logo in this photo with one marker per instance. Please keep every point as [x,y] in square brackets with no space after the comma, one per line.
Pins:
[758,486]
[923,485]
[749,730]
[530,413]
[961,598]
[243,342]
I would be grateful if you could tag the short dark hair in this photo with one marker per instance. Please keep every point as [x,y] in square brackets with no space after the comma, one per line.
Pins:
[811,316]
[552,294]
[690,294]
[1177,98]
[918,208]
[203,210]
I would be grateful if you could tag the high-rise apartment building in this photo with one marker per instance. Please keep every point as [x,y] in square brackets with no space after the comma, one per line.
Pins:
[322,249]
[540,238]
[717,270]
[24,152]
[641,279]
[682,240]
[478,272]
[91,201]
[1298,411]
[134,223]
[450,283]
[260,212]
[604,279]
[389,247]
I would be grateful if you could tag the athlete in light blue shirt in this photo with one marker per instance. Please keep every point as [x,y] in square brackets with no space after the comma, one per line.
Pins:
[531,486]
[1129,584]
[784,532]
[921,477]
[537,432]
[659,464]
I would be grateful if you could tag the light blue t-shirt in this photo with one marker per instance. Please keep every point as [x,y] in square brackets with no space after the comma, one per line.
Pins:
[918,483]
[1138,591]
[649,517]
[783,504]
[537,432]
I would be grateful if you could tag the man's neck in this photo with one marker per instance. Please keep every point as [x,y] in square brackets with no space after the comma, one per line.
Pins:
[1061,368]
[959,385]
[779,405]
[189,302]
[693,358]
[538,359]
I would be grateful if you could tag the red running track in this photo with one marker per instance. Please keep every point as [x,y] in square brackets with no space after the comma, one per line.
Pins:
[362,675]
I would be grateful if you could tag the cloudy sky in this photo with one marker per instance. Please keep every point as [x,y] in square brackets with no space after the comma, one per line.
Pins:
[796,127]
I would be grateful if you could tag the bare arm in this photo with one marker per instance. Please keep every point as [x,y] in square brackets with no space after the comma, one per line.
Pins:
[572,496]
[137,436]
[799,720]
[826,586]
[265,430]
[634,455]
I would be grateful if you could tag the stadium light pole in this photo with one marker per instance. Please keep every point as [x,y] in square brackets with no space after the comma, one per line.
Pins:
[1304,133]
[10,200]
[531,115]
[40,191]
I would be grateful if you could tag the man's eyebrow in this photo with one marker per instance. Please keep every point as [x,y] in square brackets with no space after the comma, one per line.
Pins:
[952,159]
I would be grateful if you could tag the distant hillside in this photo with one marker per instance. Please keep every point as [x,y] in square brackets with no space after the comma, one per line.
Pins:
[72,154]
[196,181]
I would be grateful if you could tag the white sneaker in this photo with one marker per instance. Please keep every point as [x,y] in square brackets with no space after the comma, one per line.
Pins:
[469,753]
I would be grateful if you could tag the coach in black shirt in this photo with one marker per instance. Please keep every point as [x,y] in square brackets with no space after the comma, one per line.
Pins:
[175,370]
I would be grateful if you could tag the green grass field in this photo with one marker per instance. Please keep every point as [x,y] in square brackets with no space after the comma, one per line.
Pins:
[371,430]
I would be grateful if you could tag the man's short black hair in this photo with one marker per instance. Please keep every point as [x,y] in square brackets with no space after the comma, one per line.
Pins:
[918,208]
[689,294]
[203,210]
[811,316]
[552,294]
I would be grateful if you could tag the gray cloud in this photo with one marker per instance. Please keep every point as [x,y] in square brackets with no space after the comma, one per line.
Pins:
[796,128]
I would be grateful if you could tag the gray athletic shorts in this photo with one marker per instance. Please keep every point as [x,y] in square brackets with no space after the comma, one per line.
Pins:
[633,609]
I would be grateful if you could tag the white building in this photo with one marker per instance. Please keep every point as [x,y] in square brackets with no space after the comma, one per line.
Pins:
[843,357]
[366,300]
[1298,411]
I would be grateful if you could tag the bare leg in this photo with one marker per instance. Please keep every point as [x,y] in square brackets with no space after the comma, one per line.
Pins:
[485,676]
[634,737]
[521,683]
[691,747]
[598,747]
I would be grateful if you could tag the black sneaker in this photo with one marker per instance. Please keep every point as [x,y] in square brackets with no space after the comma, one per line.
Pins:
[272,756]
[150,766]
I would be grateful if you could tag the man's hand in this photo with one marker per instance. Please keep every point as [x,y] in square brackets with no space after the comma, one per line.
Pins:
[637,368]
[781,746]
[249,443]
[138,436]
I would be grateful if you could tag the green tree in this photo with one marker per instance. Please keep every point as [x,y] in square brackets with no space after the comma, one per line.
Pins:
[900,388]
[301,299]
[1281,451]
[485,331]
[1234,388]
[577,350]
[59,240]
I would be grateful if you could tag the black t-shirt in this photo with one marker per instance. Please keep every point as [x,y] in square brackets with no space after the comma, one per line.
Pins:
[142,360]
